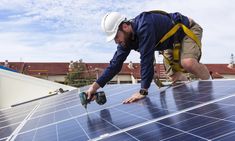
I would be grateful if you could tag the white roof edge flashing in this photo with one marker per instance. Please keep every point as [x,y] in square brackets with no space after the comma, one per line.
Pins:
[17,88]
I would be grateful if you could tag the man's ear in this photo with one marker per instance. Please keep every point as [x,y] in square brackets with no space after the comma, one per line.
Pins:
[125,27]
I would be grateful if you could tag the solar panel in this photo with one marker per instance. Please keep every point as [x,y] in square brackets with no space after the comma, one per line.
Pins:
[199,110]
[11,118]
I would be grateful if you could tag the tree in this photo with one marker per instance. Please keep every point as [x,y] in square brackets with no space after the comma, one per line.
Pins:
[78,75]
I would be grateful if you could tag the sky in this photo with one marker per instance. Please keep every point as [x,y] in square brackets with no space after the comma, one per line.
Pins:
[65,30]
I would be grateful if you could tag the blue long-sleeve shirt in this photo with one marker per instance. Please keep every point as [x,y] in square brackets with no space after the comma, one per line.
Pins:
[148,29]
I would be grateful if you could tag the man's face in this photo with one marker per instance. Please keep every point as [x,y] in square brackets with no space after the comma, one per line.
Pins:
[123,38]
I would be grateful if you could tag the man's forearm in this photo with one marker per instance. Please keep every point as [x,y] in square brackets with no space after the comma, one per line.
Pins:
[95,86]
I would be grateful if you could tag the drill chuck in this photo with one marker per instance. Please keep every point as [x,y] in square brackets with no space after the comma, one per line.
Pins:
[100,98]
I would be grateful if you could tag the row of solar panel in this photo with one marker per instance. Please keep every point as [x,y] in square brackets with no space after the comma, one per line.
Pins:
[63,118]
[11,118]
[208,122]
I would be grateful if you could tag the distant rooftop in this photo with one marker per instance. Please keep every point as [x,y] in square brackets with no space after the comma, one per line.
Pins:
[52,68]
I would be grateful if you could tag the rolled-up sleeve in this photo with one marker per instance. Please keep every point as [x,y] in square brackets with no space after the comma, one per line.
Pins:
[115,66]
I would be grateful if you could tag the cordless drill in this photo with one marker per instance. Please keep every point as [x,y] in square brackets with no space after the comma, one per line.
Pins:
[100,98]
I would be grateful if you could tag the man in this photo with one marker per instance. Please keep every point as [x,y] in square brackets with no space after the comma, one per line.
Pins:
[144,34]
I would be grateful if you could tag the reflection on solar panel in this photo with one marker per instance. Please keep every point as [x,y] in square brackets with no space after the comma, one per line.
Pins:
[200,110]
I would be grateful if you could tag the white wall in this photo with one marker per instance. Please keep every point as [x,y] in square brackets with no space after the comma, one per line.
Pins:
[125,77]
[17,88]
[122,77]
[59,78]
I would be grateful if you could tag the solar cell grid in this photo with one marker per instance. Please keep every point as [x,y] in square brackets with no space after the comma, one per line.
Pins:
[16,111]
[191,125]
[7,130]
[192,111]
[195,123]
[11,118]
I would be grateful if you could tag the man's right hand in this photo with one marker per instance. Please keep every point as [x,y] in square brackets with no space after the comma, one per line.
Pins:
[135,97]
[93,88]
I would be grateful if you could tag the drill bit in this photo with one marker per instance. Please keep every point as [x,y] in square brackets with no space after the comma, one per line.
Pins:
[85,106]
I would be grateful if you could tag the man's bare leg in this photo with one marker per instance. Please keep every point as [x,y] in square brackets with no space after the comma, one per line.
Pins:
[193,66]
[178,76]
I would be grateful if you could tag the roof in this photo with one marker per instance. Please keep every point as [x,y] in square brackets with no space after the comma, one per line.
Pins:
[221,69]
[54,68]
[33,68]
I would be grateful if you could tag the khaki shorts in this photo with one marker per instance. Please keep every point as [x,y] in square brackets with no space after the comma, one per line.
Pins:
[189,49]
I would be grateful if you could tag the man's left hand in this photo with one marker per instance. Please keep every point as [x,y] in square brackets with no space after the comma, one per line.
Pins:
[135,97]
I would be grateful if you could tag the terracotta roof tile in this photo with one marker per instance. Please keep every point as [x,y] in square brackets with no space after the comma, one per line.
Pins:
[52,68]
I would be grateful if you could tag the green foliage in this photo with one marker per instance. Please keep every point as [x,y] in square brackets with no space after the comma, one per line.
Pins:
[78,76]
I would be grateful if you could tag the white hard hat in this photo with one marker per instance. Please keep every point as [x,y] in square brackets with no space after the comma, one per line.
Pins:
[110,24]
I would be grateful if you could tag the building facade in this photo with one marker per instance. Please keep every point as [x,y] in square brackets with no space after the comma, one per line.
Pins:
[130,72]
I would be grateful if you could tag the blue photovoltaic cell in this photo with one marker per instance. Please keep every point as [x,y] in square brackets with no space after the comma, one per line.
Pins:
[11,118]
[215,129]
[46,134]
[226,137]
[71,129]
[184,137]
[121,137]
[153,131]
[6,131]
[198,124]
[188,122]
[29,136]
[62,117]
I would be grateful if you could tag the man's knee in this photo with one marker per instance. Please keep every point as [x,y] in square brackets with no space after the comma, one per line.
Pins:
[189,63]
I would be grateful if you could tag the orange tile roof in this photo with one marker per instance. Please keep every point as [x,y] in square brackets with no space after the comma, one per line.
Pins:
[220,68]
[52,68]
[35,68]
